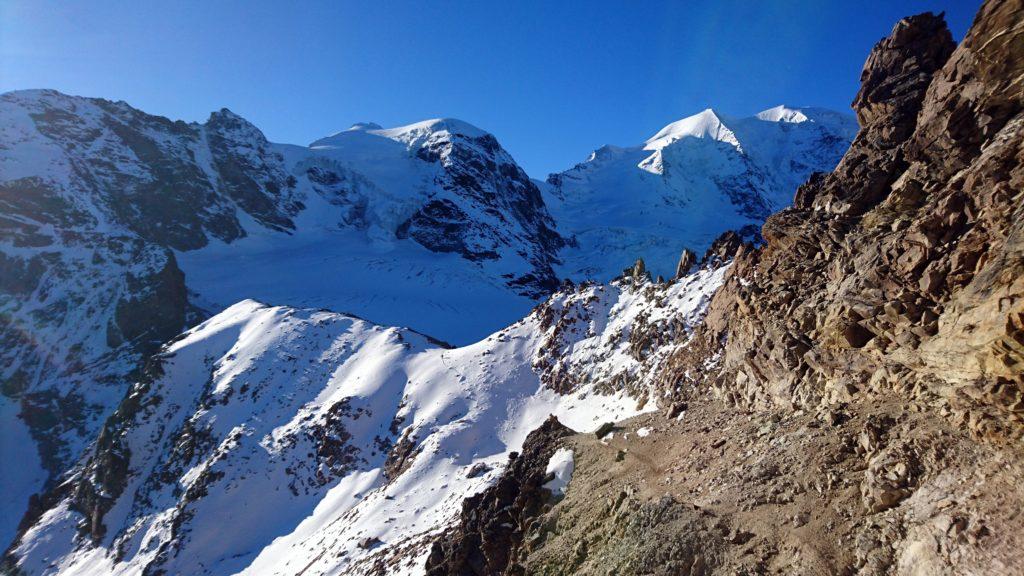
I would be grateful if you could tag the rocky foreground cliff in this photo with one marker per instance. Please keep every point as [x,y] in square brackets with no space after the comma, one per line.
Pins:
[854,401]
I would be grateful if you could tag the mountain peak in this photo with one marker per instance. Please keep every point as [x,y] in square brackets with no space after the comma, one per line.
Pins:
[32,93]
[364,127]
[705,124]
[225,115]
[410,134]
[783,113]
[225,121]
[435,125]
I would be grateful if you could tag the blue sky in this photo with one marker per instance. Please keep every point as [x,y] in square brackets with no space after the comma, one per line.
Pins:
[552,80]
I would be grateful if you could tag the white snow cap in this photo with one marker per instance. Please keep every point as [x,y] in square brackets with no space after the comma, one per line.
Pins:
[364,126]
[714,126]
[781,113]
[707,124]
[450,125]
[408,134]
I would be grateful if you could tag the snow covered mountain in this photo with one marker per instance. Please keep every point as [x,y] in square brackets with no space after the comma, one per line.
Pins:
[688,183]
[432,226]
[275,440]
[119,229]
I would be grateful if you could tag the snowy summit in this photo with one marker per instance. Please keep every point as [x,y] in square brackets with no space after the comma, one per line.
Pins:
[680,188]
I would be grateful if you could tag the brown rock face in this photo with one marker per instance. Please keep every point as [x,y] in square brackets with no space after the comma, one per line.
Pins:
[894,81]
[686,261]
[725,248]
[902,271]
[898,72]
[977,94]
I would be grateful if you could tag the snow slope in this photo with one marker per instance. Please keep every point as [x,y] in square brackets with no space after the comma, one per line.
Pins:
[688,183]
[275,440]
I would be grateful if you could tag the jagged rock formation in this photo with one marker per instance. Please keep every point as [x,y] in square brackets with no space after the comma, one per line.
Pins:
[686,261]
[495,522]
[853,403]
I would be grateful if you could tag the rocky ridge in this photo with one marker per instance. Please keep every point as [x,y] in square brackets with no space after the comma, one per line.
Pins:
[494,522]
[334,443]
[852,402]
[900,271]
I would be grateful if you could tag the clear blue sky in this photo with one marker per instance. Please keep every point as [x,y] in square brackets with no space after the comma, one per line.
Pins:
[552,80]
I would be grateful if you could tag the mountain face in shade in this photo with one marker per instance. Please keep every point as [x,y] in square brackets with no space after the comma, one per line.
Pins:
[688,183]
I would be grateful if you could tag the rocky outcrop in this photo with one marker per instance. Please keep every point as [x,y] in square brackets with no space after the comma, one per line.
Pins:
[495,522]
[725,248]
[441,226]
[902,270]
[686,261]
[482,177]
[617,336]
[153,309]
[893,85]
